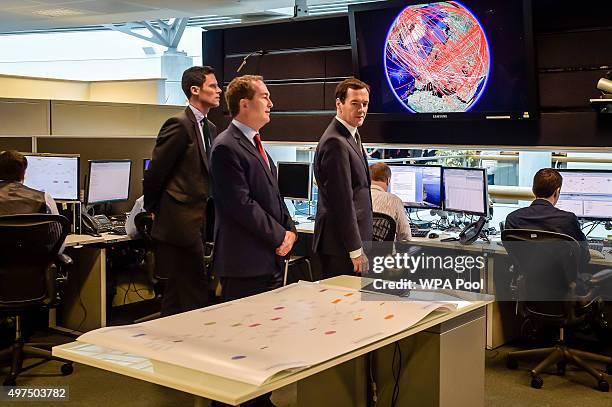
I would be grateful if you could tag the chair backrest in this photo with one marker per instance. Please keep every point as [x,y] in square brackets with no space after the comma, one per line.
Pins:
[383,228]
[144,222]
[29,245]
[547,264]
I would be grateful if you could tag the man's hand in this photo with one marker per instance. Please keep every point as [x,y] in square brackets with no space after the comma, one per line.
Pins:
[287,244]
[360,264]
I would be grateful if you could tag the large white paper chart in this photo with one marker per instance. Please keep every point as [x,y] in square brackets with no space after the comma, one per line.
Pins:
[253,338]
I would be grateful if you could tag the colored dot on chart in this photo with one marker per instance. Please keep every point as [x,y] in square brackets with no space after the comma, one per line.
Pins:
[279,308]
[237,324]
[178,340]
[348,294]
[337,300]
[357,319]
[275,318]
[390,316]
[253,325]
[210,323]
[138,335]
[238,357]
[330,332]
[323,290]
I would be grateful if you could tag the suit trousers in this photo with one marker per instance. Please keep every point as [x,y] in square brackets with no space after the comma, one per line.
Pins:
[187,285]
[334,265]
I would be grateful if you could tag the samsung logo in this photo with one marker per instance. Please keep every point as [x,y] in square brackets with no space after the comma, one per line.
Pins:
[439,116]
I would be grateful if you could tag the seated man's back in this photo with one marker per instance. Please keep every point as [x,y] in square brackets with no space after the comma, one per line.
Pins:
[387,203]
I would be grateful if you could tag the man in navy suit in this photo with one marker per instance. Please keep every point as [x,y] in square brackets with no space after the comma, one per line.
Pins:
[177,191]
[253,228]
[344,208]
[542,214]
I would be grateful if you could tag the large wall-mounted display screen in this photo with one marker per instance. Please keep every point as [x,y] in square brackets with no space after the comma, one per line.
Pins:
[446,60]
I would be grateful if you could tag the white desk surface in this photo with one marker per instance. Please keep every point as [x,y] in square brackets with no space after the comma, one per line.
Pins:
[304,225]
[78,240]
[231,391]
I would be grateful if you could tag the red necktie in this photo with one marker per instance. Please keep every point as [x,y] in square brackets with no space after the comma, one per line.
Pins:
[259,146]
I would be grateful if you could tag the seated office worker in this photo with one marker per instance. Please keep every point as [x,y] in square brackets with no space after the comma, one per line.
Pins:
[344,208]
[388,203]
[542,214]
[176,190]
[16,198]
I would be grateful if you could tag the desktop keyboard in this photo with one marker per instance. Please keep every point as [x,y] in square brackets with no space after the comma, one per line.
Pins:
[419,232]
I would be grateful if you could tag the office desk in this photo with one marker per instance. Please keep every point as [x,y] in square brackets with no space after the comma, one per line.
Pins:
[84,301]
[443,365]
[500,329]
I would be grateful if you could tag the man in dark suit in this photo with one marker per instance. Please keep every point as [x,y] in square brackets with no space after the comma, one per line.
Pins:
[253,228]
[176,189]
[344,209]
[542,214]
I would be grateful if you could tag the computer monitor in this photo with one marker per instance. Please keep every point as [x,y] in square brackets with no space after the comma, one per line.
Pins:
[465,190]
[108,181]
[587,193]
[57,174]
[418,186]
[295,180]
[145,164]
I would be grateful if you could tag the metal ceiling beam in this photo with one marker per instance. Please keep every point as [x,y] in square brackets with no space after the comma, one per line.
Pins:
[167,35]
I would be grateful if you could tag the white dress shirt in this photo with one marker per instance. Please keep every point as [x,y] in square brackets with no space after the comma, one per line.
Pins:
[199,117]
[392,205]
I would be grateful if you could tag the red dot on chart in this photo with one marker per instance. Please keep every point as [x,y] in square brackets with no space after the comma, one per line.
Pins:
[323,290]
[330,332]
[275,318]
[253,325]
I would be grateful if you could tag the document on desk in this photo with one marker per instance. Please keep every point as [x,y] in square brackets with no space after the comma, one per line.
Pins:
[254,338]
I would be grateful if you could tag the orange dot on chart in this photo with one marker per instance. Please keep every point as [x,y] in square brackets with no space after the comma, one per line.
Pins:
[348,294]
[357,319]
[390,316]
[337,300]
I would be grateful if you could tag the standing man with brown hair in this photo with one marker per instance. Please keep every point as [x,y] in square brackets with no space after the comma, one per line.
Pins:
[344,209]
[177,188]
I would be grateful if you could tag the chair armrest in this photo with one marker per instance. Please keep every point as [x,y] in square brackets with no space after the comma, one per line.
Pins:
[600,277]
[64,261]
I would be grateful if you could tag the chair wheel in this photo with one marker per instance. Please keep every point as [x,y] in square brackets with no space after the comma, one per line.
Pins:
[9,381]
[537,382]
[561,368]
[511,363]
[603,385]
[67,369]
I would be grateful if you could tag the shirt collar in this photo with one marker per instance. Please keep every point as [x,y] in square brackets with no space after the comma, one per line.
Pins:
[248,132]
[350,128]
[198,115]
[377,187]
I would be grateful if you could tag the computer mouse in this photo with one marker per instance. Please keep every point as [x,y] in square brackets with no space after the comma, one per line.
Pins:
[433,235]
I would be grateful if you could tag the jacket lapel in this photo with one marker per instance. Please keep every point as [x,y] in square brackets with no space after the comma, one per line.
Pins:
[198,137]
[351,140]
[248,146]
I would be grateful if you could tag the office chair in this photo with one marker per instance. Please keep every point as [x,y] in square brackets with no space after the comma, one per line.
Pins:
[29,246]
[144,223]
[383,228]
[551,290]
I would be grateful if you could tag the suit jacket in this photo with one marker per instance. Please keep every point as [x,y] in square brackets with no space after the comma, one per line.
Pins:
[177,183]
[542,215]
[344,209]
[251,216]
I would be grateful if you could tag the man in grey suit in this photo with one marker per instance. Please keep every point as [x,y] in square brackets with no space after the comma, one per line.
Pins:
[176,190]
[344,208]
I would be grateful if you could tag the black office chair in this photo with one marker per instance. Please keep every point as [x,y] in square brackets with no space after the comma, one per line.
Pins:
[550,289]
[144,223]
[29,246]
[383,228]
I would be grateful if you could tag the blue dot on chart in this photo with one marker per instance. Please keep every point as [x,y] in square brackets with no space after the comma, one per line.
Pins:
[238,357]
[138,335]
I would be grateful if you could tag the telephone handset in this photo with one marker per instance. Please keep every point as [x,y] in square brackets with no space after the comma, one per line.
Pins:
[94,225]
[472,231]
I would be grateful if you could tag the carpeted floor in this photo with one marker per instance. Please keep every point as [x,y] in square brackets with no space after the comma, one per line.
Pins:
[93,387]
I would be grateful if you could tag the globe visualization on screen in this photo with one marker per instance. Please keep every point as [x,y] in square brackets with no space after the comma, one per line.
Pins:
[437,58]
